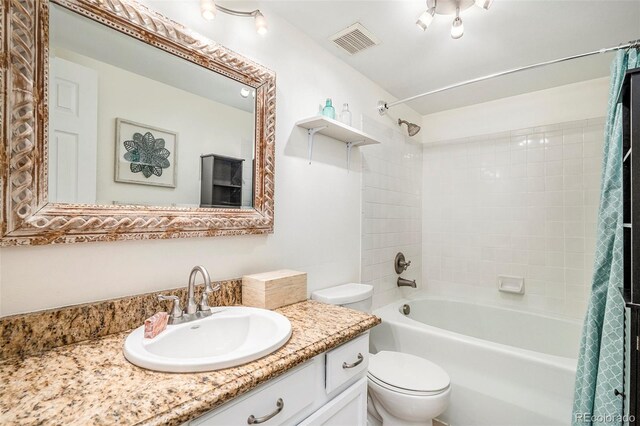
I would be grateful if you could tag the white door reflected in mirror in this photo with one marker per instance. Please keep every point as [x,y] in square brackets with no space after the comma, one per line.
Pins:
[73,132]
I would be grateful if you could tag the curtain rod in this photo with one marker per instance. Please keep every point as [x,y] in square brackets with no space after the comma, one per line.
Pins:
[383,106]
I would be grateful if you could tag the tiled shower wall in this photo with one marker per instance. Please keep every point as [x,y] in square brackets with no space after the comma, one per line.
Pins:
[391,209]
[522,203]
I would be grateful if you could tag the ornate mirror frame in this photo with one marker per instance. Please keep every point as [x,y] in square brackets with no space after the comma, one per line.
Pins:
[26,215]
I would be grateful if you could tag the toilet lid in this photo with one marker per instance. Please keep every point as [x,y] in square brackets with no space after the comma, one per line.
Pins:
[345,293]
[409,372]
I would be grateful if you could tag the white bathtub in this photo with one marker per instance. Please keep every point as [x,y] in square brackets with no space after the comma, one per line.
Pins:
[507,368]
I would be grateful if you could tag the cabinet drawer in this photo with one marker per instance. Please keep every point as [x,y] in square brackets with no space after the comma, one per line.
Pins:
[346,362]
[293,390]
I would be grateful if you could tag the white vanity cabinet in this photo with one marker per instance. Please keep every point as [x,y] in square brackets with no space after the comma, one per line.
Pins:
[329,389]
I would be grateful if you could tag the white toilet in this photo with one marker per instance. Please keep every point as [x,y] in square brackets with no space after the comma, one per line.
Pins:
[404,389]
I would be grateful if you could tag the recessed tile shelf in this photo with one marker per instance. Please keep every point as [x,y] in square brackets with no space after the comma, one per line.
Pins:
[336,130]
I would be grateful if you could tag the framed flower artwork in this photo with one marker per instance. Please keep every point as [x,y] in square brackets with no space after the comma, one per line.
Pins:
[145,155]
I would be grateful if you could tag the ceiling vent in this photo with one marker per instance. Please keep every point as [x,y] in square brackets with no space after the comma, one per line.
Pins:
[354,39]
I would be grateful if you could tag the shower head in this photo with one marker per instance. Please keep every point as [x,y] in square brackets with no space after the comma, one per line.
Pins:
[412,129]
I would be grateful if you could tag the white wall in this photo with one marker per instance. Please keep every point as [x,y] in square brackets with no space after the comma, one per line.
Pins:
[521,202]
[578,101]
[318,206]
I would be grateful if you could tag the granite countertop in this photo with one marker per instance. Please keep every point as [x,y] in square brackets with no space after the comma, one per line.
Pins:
[91,383]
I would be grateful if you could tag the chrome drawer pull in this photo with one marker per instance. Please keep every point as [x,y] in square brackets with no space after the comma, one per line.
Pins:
[355,364]
[253,420]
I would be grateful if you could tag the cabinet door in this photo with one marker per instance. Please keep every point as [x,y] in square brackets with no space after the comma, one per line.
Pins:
[349,408]
[292,392]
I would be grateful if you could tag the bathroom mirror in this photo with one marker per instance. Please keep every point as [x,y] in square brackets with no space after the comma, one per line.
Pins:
[130,123]
[138,129]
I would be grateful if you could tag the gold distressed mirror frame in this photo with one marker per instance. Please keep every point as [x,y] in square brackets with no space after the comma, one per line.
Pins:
[27,216]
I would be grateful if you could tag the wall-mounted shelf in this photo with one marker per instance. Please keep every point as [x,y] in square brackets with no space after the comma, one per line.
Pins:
[336,130]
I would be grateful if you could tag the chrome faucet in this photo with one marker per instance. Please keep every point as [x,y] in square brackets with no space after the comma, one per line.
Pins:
[193,310]
[202,307]
[406,283]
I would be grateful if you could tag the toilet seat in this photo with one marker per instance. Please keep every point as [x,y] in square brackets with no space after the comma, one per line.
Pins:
[373,380]
[407,374]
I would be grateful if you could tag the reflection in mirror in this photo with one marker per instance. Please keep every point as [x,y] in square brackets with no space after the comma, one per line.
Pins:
[130,124]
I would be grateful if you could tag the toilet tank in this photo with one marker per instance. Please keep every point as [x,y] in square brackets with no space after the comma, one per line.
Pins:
[353,295]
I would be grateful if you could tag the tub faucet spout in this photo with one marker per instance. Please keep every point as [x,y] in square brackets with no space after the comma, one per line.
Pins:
[406,283]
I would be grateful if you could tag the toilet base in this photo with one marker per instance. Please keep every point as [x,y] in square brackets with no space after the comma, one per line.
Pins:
[373,417]
[373,421]
[378,416]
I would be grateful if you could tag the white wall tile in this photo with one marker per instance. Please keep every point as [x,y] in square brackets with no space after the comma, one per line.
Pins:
[553,153]
[554,168]
[392,211]
[525,205]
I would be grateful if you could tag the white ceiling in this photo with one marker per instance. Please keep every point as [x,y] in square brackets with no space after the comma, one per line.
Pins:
[511,34]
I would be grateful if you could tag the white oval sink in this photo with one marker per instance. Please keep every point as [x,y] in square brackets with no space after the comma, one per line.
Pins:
[231,336]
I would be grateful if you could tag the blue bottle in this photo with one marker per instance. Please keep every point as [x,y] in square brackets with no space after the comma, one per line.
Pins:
[328,110]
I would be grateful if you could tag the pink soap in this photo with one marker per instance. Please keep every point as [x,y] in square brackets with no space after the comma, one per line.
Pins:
[155,325]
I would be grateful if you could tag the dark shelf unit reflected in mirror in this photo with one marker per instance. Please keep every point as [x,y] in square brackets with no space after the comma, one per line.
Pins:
[630,102]
[220,181]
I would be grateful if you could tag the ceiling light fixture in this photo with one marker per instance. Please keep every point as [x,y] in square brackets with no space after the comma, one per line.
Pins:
[449,8]
[485,4]
[208,9]
[261,23]
[426,18]
[457,27]
[244,92]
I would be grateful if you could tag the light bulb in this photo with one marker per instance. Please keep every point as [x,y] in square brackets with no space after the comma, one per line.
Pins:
[261,23]
[485,4]
[457,28]
[425,19]
[244,92]
[208,9]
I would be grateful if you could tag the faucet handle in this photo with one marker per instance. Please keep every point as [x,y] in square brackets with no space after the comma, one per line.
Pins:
[176,309]
[204,298]
[400,263]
